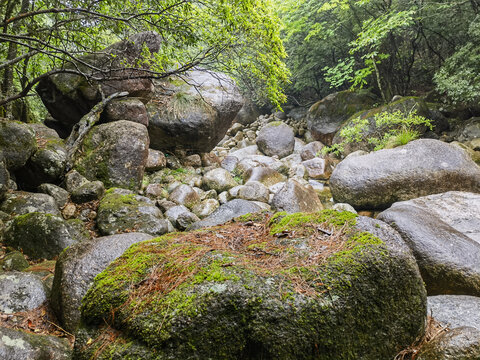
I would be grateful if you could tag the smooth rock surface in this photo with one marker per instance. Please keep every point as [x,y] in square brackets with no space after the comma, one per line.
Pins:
[422,167]
[276,138]
[461,343]
[443,232]
[455,310]
[21,203]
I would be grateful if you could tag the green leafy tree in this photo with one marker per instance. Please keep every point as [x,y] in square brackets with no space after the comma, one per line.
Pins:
[43,37]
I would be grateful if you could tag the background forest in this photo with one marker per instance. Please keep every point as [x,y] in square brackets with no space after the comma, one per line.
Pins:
[392,46]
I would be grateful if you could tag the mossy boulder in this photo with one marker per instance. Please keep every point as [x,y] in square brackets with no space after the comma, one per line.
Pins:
[327,116]
[405,105]
[21,203]
[41,235]
[115,153]
[17,143]
[277,290]
[121,211]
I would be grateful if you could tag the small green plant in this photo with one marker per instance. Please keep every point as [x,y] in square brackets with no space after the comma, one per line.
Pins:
[388,130]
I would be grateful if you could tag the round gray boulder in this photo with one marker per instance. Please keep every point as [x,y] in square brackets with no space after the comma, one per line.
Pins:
[294,197]
[422,167]
[276,139]
[17,143]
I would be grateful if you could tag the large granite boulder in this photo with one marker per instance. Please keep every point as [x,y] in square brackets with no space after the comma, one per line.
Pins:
[422,167]
[76,268]
[41,235]
[120,212]
[17,344]
[196,114]
[69,96]
[327,116]
[17,143]
[276,139]
[443,231]
[241,292]
[115,153]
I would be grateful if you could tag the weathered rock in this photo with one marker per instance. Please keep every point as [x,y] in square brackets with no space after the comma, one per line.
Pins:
[56,192]
[21,203]
[254,191]
[14,261]
[41,235]
[227,212]
[156,191]
[247,114]
[73,179]
[264,175]
[17,143]
[443,231]
[311,150]
[455,311]
[48,162]
[155,161]
[119,212]
[209,159]
[276,138]
[93,190]
[116,154]
[218,180]
[181,217]
[192,160]
[68,97]
[420,168]
[318,168]
[131,109]
[252,161]
[320,321]
[184,195]
[197,115]
[462,343]
[76,268]
[293,197]
[205,208]
[21,292]
[326,116]
[469,130]
[17,344]
[344,207]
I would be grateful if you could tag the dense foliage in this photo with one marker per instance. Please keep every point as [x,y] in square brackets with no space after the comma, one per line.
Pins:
[393,46]
[42,37]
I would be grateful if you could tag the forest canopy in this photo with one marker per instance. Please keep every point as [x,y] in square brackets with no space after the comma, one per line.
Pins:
[393,46]
[42,37]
